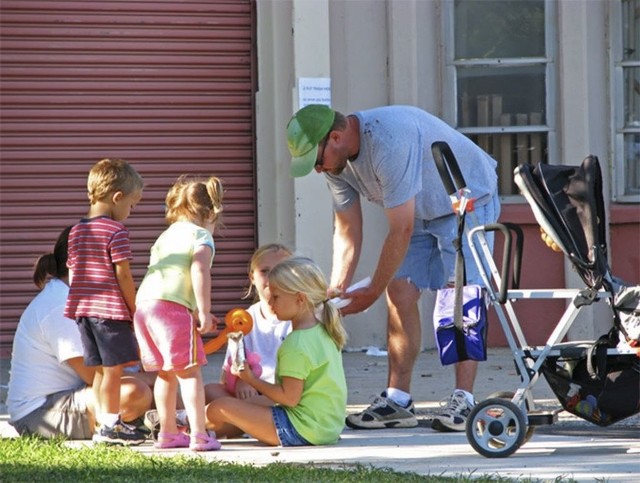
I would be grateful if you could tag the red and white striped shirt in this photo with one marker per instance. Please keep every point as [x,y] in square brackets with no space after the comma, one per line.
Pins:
[95,244]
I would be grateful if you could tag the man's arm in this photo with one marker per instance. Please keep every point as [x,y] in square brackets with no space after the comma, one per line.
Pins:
[86,373]
[400,221]
[347,242]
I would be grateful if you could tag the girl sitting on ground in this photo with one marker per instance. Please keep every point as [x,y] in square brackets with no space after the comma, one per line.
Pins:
[267,333]
[307,403]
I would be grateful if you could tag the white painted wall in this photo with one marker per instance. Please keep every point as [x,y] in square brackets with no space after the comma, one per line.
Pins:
[584,125]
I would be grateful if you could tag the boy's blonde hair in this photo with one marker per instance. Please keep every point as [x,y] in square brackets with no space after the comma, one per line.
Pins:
[254,261]
[108,176]
[195,199]
[302,275]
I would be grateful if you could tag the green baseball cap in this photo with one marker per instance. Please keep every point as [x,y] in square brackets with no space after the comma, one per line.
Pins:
[305,130]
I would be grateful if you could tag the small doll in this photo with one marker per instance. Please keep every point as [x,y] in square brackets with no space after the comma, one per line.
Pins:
[238,360]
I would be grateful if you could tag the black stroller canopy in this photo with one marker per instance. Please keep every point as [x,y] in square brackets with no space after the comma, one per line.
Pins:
[568,204]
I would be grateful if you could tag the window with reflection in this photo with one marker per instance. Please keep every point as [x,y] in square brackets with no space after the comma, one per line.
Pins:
[628,96]
[502,68]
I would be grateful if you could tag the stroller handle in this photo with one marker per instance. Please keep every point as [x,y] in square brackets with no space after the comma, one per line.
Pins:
[506,228]
[442,154]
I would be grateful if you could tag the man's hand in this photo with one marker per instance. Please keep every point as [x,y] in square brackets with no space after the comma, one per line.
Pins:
[361,300]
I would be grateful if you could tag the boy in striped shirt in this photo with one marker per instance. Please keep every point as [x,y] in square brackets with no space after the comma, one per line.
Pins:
[102,291]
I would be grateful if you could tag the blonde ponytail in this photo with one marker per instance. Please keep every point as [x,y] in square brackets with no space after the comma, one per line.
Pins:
[195,199]
[302,275]
[333,324]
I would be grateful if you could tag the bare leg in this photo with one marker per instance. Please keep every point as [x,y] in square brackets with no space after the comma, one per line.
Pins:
[135,398]
[192,389]
[213,391]
[466,375]
[110,389]
[165,391]
[251,418]
[95,391]
[226,430]
[92,410]
[149,378]
[403,332]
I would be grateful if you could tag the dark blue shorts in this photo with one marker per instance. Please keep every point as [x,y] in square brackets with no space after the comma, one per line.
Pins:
[287,434]
[107,342]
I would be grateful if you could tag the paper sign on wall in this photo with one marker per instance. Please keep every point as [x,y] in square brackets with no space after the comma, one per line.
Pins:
[314,90]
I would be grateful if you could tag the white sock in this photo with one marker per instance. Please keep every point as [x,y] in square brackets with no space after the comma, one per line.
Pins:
[399,397]
[467,395]
[109,419]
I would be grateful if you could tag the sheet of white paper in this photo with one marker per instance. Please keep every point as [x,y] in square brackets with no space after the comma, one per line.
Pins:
[374,351]
[314,90]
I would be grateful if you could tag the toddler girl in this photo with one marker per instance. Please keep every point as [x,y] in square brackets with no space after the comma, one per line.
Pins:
[174,304]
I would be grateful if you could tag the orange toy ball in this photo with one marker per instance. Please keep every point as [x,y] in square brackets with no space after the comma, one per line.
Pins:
[239,320]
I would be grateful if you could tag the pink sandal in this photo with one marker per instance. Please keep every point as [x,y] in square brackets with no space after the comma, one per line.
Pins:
[171,440]
[204,442]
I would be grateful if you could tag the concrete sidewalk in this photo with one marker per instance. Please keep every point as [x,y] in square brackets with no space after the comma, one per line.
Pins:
[571,448]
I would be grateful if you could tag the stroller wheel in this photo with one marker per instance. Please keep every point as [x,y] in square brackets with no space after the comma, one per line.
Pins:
[496,428]
[509,395]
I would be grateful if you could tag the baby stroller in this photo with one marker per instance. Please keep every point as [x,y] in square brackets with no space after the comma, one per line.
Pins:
[599,381]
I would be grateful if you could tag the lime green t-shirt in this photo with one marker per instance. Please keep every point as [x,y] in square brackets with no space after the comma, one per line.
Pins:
[169,272]
[311,355]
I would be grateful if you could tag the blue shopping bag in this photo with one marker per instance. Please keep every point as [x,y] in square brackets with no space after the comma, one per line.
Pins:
[468,342]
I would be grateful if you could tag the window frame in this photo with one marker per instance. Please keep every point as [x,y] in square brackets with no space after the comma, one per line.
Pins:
[450,95]
[617,65]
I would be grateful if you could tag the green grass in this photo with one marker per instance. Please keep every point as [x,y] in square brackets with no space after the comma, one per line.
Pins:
[34,460]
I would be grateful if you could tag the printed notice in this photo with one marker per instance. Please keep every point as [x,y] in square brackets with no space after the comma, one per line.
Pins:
[314,90]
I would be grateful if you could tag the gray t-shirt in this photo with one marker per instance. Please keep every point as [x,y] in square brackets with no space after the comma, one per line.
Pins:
[395,163]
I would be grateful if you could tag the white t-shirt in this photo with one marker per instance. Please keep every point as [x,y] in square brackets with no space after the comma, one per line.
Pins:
[265,339]
[44,340]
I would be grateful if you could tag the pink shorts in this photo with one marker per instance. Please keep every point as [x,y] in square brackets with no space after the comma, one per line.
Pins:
[168,337]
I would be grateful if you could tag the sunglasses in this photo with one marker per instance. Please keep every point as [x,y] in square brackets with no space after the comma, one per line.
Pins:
[320,160]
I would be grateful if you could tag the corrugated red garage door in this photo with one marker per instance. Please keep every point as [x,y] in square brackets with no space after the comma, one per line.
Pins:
[165,85]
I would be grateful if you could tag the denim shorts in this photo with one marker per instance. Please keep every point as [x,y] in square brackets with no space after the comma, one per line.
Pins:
[287,434]
[430,260]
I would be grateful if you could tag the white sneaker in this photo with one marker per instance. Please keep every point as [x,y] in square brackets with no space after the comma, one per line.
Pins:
[454,413]
[384,413]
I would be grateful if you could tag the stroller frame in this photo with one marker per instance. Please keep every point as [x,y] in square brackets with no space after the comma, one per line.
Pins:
[499,426]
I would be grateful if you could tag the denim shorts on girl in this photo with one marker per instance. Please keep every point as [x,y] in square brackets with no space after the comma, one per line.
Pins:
[287,434]
[430,259]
